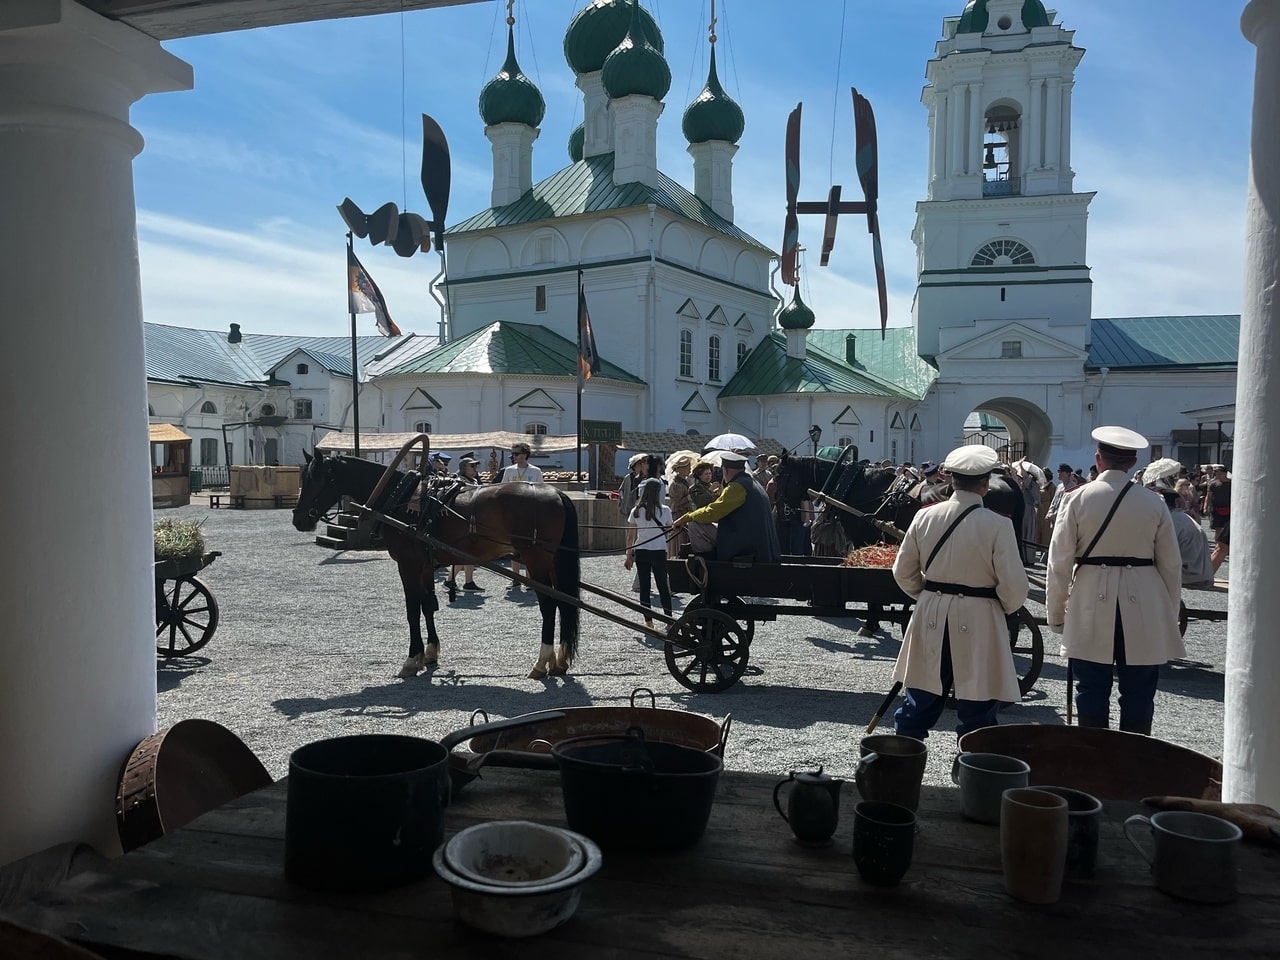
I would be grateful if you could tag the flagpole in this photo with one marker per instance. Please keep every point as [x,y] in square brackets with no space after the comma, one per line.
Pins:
[578,324]
[355,360]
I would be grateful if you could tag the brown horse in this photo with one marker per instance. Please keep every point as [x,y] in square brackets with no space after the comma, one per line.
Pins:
[535,522]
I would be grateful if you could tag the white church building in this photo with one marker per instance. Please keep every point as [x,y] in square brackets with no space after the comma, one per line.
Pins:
[694,338]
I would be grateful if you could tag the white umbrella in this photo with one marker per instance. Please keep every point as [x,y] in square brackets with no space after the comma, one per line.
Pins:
[1165,469]
[729,441]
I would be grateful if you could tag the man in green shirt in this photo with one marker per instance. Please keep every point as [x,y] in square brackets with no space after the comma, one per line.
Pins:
[743,513]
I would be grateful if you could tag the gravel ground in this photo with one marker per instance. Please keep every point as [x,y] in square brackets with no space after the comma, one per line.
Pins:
[309,643]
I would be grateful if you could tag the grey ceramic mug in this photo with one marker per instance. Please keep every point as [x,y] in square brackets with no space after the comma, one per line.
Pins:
[1084,815]
[1194,854]
[983,779]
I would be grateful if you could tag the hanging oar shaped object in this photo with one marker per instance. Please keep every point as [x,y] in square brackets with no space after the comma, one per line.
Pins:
[866,157]
[436,175]
[791,228]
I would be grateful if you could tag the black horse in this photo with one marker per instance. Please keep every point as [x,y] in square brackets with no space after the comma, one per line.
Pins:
[533,521]
[882,495]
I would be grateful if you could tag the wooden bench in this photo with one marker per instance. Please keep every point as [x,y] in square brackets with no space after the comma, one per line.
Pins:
[240,501]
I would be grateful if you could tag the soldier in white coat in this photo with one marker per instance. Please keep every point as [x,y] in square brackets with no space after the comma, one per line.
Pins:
[960,563]
[1115,598]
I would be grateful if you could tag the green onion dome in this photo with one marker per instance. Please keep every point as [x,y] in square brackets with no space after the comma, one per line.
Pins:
[511,97]
[796,315]
[976,17]
[576,141]
[598,29]
[713,115]
[635,66]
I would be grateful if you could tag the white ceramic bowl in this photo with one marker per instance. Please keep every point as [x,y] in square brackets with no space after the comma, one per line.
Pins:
[514,853]
[523,911]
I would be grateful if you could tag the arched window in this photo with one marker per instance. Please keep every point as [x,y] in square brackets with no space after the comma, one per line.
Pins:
[208,407]
[843,442]
[422,426]
[1003,253]
[535,429]
[713,359]
[742,354]
[686,353]
[303,368]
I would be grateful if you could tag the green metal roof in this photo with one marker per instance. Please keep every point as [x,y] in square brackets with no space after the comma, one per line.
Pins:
[522,349]
[636,66]
[976,17]
[511,97]
[599,27]
[769,371]
[1146,342]
[713,115]
[893,360]
[587,187]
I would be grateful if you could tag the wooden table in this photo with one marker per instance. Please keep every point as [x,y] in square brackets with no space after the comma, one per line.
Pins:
[216,890]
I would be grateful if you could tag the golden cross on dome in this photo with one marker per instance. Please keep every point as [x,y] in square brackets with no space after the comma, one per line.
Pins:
[511,19]
[712,25]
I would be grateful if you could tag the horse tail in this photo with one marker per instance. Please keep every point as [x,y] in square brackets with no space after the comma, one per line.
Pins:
[568,572]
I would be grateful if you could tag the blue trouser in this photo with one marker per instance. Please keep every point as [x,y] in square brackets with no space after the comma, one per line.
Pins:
[1137,686]
[922,709]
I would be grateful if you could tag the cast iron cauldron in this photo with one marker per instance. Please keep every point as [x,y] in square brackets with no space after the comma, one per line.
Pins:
[629,795]
[366,812]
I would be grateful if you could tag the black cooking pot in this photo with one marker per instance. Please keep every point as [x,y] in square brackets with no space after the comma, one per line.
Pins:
[366,812]
[629,795]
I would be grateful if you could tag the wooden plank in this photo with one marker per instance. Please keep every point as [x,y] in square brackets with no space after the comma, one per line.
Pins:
[216,889]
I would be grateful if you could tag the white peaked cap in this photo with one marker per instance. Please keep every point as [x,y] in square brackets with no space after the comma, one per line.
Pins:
[971,460]
[1122,438]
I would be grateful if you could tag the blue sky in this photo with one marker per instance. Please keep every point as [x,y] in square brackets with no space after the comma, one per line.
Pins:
[240,177]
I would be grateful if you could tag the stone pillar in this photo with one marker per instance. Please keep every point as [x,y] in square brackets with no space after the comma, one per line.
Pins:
[1066,176]
[977,124]
[78,686]
[713,175]
[635,135]
[1251,734]
[939,127]
[512,161]
[955,131]
[597,122]
[1034,112]
[1053,124]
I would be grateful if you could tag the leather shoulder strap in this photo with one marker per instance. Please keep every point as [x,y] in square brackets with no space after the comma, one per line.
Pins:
[949,531]
[1105,523]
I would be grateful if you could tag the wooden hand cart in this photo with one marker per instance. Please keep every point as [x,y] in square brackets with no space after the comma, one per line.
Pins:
[709,645]
[186,611]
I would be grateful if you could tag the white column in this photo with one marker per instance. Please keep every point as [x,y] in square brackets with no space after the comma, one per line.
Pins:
[973,153]
[77,590]
[1053,123]
[713,175]
[597,122]
[1251,735]
[955,131]
[635,134]
[1065,174]
[512,161]
[1033,126]
[938,145]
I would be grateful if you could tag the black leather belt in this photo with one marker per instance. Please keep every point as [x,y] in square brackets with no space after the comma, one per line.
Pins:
[961,590]
[1115,562]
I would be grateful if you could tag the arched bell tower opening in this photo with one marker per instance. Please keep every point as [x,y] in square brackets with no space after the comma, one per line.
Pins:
[1026,429]
[1002,151]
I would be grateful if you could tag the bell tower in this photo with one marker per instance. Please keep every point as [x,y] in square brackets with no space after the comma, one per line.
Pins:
[1001,237]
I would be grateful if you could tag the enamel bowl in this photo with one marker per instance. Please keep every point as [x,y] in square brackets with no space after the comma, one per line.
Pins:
[514,853]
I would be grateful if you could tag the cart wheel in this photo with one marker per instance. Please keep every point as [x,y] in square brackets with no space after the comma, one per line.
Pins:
[1028,648]
[186,617]
[733,607]
[707,650]
[1183,618]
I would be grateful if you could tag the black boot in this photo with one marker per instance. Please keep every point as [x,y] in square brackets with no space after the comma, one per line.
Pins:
[1100,722]
[1136,726]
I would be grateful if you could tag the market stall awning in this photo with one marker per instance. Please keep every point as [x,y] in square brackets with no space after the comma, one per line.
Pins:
[167,433]
[454,443]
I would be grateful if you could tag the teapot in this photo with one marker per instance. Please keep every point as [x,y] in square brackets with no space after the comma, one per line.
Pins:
[813,805]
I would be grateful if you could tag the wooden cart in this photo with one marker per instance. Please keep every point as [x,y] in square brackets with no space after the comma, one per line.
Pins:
[710,644]
[186,611]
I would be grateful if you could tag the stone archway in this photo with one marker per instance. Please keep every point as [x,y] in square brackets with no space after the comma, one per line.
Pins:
[1029,426]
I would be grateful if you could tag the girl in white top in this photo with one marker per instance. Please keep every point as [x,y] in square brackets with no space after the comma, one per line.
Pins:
[651,519]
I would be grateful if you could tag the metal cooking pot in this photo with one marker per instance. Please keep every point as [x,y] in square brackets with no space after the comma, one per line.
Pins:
[631,795]
[366,812]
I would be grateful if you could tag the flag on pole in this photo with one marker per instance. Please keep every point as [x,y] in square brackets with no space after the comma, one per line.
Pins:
[363,296]
[588,359]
